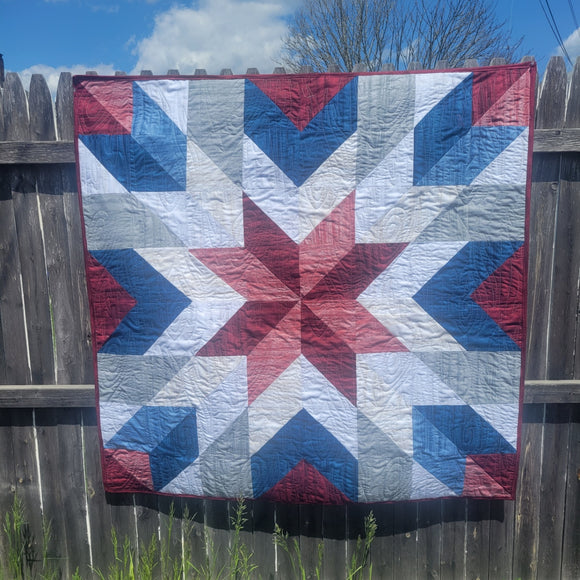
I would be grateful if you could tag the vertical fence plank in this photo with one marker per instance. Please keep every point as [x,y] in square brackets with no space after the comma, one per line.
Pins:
[80,327]
[453,538]
[527,525]
[34,280]
[72,482]
[123,520]
[564,300]
[553,490]
[12,316]
[16,127]
[551,113]
[263,546]
[3,375]
[501,534]
[355,514]
[169,534]
[53,490]
[429,539]
[571,174]
[382,549]
[217,526]
[544,207]
[193,525]
[36,298]
[64,107]
[2,130]
[477,554]
[7,481]
[68,337]
[15,109]
[405,541]
[27,482]
[334,534]
[571,539]
[310,535]
[147,517]
[42,126]
[99,512]
[287,517]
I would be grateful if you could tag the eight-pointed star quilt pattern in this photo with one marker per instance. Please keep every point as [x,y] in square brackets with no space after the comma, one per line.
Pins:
[308,288]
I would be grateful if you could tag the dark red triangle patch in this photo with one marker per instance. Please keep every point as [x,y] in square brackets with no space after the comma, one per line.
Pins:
[125,470]
[104,109]
[491,475]
[500,295]
[305,484]
[110,302]
[329,354]
[302,97]
[246,328]
[500,97]
[270,244]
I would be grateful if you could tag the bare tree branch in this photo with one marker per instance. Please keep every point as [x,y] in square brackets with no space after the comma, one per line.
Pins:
[376,32]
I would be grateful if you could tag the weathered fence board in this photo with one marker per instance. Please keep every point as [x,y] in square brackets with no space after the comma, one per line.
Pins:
[35,287]
[12,313]
[429,539]
[553,490]
[527,527]
[49,443]
[571,540]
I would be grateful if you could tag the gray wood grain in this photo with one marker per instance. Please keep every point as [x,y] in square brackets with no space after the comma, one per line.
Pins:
[429,539]
[34,280]
[54,484]
[8,479]
[453,529]
[501,538]
[334,533]
[47,396]
[564,299]
[80,326]
[74,500]
[553,490]
[405,540]
[527,525]
[33,153]
[547,391]
[27,480]
[15,109]
[42,127]
[64,107]
[68,335]
[477,537]
[552,103]
[98,509]
[571,538]
[12,317]
[556,140]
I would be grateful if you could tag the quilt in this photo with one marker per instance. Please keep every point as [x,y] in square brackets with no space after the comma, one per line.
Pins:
[308,288]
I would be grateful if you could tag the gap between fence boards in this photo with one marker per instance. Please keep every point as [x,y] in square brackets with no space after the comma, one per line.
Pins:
[54,396]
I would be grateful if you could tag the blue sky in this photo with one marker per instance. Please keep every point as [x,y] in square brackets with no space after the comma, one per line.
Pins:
[47,36]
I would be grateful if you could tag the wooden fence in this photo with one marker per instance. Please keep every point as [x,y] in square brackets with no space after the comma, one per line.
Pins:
[48,433]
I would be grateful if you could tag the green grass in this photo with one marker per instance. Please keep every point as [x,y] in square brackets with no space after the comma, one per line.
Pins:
[156,559]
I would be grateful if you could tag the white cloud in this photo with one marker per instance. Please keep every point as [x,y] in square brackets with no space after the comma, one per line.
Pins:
[572,45]
[52,74]
[217,34]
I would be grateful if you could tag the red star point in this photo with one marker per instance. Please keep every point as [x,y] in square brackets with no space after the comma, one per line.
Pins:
[301,298]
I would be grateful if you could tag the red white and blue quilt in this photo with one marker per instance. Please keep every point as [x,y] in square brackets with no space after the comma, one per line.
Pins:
[308,288]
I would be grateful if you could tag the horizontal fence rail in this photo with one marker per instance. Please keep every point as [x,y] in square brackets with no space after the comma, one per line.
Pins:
[49,442]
